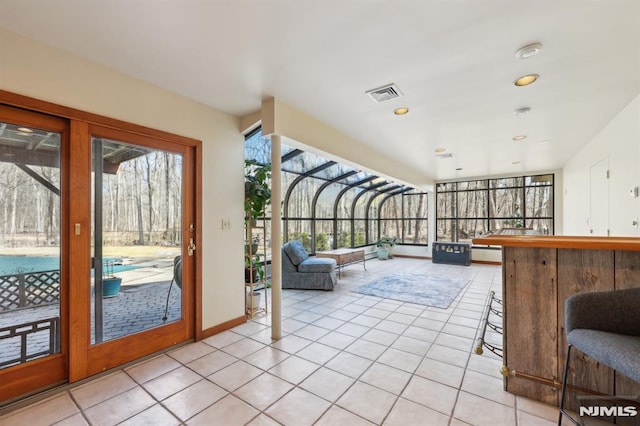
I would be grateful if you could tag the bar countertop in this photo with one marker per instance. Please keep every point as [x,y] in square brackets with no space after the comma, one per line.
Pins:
[563,242]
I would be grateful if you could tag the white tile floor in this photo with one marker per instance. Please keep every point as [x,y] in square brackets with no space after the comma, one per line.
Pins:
[345,359]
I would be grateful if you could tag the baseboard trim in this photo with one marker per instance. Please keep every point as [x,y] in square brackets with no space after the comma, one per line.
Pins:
[221,327]
[411,257]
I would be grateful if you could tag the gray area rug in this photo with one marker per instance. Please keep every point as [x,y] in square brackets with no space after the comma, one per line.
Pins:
[422,289]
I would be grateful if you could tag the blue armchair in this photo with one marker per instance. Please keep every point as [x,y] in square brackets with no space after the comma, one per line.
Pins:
[300,271]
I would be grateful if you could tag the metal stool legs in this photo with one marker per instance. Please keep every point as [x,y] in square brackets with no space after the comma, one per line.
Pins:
[564,388]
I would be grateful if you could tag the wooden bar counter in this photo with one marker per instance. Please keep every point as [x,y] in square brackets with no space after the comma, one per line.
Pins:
[538,274]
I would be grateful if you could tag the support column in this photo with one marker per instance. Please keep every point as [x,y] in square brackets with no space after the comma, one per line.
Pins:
[276,234]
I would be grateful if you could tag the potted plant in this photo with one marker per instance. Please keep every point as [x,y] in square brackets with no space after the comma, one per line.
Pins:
[253,269]
[257,195]
[110,283]
[257,188]
[384,246]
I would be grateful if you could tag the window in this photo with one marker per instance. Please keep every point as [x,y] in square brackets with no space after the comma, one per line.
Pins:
[470,209]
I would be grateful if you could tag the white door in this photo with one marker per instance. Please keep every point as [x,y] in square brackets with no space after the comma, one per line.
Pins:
[599,198]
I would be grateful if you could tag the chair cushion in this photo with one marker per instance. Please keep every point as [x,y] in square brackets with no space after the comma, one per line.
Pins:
[296,252]
[618,351]
[314,264]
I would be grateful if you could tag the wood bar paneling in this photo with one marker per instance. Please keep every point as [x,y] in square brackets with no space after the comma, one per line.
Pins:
[529,285]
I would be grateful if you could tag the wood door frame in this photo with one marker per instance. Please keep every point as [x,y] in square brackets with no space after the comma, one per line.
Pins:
[77,151]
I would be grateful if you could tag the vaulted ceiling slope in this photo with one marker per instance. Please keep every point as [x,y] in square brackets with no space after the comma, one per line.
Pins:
[453,62]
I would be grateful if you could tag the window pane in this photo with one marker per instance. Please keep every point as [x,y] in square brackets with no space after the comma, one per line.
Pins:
[444,230]
[472,185]
[539,201]
[506,182]
[345,203]
[344,234]
[472,204]
[415,205]
[444,187]
[505,203]
[415,231]
[326,200]
[324,235]
[445,205]
[358,233]
[300,230]
[471,228]
[373,231]
[390,228]
[539,180]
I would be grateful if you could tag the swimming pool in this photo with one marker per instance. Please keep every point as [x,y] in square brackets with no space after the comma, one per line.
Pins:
[10,265]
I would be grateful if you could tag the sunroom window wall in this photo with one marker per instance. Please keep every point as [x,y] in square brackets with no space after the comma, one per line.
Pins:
[470,209]
[330,205]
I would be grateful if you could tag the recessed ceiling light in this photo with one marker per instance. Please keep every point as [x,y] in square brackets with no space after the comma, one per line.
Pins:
[519,137]
[458,168]
[401,111]
[544,142]
[25,130]
[522,111]
[439,150]
[515,162]
[526,80]
[528,51]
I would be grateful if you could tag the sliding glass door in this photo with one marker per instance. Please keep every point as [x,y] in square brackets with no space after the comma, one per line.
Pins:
[97,245]
[140,292]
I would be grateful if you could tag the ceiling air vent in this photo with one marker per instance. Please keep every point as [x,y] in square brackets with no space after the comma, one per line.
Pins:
[384,93]
[443,156]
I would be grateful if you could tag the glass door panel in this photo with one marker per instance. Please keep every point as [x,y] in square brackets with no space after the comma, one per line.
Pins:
[137,238]
[31,287]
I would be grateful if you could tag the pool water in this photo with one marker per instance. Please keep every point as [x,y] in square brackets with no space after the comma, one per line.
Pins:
[10,265]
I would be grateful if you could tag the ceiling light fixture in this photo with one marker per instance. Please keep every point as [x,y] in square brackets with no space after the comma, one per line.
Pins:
[515,162]
[458,168]
[440,150]
[526,80]
[522,111]
[401,111]
[519,137]
[544,142]
[25,130]
[528,50]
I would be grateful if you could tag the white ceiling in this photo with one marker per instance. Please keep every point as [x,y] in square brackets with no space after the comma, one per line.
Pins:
[453,60]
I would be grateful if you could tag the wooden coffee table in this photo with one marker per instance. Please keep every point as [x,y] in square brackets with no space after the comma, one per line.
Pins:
[344,257]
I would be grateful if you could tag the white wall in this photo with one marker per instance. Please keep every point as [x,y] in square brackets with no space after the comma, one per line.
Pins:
[36,70]
[619,141]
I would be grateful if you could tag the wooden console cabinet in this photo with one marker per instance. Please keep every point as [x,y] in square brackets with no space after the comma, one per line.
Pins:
[538,274]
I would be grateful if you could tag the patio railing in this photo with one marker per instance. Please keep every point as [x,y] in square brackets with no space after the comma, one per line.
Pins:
[29,289]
